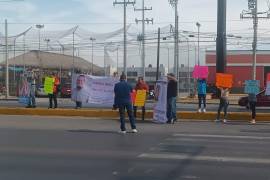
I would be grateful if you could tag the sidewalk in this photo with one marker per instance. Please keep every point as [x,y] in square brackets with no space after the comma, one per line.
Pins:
[98,113]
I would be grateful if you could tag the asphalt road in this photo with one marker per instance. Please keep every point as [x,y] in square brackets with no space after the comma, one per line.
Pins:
[82,149]
[67,103]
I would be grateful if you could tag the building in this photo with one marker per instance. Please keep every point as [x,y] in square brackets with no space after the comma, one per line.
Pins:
[150,74]
[43,63]
[240,65]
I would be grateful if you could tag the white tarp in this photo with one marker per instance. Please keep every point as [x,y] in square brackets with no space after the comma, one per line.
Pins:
[160,107]
[93,90]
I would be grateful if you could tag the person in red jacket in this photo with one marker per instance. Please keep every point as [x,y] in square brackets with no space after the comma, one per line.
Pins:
[141,85]
[53,96]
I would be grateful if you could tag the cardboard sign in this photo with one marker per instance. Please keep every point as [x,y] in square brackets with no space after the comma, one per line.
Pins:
[267,90]
[140,98]
[48,85]
[200,72]
[252,86]
[268,77]
[133,96]
[224,80]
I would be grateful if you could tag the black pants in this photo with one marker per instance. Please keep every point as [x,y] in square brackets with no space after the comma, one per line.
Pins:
[135,112]
[78,104]
[202,99]
[224,103]
[253,109]
[53,97]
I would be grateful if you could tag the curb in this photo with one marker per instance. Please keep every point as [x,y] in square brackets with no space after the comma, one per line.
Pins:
[95,113]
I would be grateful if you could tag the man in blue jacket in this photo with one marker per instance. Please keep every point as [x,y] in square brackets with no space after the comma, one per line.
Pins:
[122,100]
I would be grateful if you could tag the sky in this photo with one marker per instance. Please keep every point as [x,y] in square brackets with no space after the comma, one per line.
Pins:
[102,16]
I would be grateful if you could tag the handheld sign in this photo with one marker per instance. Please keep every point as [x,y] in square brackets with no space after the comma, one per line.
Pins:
[200,72]
[252,86]
[48,85]
[224,80]
[140,98]
[133,96]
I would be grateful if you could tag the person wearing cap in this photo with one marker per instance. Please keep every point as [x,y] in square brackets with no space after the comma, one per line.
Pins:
[122,101]
[141,85]
[171,98]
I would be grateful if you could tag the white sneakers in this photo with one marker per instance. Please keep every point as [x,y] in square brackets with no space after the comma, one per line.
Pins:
[224,120]
[253,121]
[133,131]
[204,110]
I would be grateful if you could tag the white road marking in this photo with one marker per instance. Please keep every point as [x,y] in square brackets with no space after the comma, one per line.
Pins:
[222,136]
[204,158]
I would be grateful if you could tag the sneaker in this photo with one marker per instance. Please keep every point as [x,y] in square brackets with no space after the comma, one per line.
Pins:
[134,131]
[217,120]
[253,121]
[122,132]
[204,110]
[224,120]
[199,110]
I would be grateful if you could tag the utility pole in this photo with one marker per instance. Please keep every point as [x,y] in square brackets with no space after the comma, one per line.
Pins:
[158,55]
[253,13]
[92,39]
[47,42]
[174,4]
[73,50]
[142,38]
[221,47]
[6,57]
[125,3]
[198,26]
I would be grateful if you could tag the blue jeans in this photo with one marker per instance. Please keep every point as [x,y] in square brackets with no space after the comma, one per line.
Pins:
[171,109]
[122,108]
[32,101]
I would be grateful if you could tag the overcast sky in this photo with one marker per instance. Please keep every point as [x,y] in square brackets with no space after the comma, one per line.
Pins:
[102,16]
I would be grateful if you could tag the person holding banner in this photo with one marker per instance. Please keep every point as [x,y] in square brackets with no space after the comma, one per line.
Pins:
[141,85]
[122,100]
[201,86]
[224,103]
[171,98]
[32,98]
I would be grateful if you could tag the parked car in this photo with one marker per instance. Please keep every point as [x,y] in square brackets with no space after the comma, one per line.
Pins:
[40,91]
[66,90]
[262,100]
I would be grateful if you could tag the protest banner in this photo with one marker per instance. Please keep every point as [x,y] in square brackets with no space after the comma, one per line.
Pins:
[93,89]
[140,98]
[252,86]
[48,85]
[200,72]
[224,80]
[24,91]
[160,107]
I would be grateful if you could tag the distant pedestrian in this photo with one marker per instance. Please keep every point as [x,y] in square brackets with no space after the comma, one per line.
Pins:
[252,99]
[171,98]
[141,85]
[224,103]
[201,86]
[32,93]
[53,96]
[122,101]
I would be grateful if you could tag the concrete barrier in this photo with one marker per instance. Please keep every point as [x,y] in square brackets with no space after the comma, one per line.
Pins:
[99,113]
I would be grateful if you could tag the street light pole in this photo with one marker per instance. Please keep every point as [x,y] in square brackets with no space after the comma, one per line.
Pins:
[198,26]
[47,42]
[6,57]
[39,27]
[92,39]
